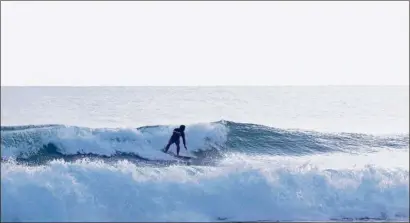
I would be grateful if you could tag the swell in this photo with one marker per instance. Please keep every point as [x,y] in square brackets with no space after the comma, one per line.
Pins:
[208,141]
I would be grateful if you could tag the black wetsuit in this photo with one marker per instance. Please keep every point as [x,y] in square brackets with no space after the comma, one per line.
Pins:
[175,139]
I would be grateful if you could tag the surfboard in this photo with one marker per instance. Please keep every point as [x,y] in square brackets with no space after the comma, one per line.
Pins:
[184,157]
[181,157]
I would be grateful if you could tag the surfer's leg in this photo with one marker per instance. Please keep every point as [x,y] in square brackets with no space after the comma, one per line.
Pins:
[177,143]
[168,145]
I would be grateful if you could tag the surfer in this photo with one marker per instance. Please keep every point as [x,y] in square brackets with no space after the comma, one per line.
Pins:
[178,132]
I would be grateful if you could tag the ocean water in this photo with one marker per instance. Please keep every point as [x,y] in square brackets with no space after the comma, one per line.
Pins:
[261,153]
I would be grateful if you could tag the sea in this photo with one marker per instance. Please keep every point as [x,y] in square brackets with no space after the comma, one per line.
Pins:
[259,153]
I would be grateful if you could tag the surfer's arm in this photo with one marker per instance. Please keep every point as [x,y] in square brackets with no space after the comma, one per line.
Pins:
[183,139]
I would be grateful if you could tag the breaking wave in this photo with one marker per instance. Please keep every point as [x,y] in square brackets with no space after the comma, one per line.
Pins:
[242,172]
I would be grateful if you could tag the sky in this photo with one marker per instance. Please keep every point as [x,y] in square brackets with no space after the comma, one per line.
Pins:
[134,43]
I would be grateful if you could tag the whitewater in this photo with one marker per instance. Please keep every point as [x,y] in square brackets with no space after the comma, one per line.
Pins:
[261,154]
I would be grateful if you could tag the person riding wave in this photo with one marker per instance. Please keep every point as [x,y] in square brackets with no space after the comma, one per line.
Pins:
[177,133]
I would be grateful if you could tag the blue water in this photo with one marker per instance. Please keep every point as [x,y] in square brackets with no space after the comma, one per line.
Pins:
[59,166]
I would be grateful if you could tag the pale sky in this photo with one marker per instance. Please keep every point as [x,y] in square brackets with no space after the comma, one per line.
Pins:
[204,43]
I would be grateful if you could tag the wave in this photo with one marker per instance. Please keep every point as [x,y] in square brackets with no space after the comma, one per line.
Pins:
[243,172]
[208,141]
[240,188]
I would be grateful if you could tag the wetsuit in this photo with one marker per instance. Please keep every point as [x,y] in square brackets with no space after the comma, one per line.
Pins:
[175,139]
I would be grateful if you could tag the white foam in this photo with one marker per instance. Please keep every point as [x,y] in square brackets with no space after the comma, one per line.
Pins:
[241,188]
[146,142]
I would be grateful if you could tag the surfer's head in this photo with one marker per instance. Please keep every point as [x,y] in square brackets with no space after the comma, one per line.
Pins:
[182,127]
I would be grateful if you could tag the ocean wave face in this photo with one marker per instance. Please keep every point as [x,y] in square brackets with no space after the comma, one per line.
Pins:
[239,172]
